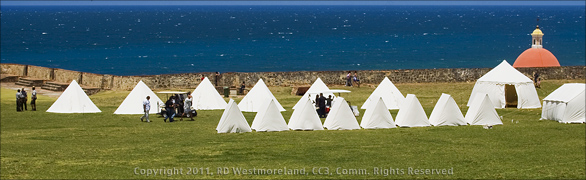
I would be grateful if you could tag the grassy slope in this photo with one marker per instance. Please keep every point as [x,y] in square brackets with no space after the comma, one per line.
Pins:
[38,145]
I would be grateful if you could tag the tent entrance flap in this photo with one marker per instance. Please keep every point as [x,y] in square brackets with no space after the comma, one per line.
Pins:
[510,96]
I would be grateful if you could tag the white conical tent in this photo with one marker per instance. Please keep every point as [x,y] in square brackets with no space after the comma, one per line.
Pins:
[73,100]
[341,117]
[501,79]
[566,104]
[232,120]
[257,97]
[411,113]
[269,118]
[133,102]
[377,116]
[390,94]
[446,112]
[317,87]
[206,97]
[305,118]
[482,112]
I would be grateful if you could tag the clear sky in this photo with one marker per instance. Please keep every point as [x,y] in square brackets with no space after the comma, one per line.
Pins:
[301,2]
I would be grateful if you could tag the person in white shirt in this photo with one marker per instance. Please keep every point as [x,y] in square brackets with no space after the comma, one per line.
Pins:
[187,108]
[146,106]
[34,99]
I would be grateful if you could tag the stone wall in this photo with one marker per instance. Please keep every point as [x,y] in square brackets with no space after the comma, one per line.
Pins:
[91,80]
[39,72]
[14,69]
[191,80]
[128,82]
[566,72]
[66,76]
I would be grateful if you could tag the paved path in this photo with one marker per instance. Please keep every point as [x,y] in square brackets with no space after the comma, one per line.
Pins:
[11,85]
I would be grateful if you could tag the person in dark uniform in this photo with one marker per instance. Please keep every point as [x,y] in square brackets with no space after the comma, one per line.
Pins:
[322,105]
[217,79]
[170,109]
[18,101]
[242,86]
[317,104]
[24,99]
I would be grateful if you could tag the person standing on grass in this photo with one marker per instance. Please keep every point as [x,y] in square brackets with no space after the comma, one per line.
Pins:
[536,80]
[317,105]
[349,79]
[18,101]
[322,105]
[34,99]
[329,101]
[24,99]
[355,79]
[170,109]
[146,106]
[187,108]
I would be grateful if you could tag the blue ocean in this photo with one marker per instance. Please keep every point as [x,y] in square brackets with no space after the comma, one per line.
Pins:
[148,40]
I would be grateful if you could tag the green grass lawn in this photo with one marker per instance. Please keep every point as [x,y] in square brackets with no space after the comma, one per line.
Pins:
[41,145]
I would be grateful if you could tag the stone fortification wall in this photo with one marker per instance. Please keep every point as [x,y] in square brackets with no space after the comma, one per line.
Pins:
[92,80]
[39,72]
[62,75]
[14,69]
[191,80]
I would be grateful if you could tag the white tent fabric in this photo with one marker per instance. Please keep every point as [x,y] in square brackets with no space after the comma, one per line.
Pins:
[482,112]
[446,112]
[133,102]
[390,94]
[566,104]
[256,97]
[377,116]
[232,120]
[317,87]
[73,100]
[493,83]
[269,118]
[411,113]
[206,97]
[305,118]
[341,117]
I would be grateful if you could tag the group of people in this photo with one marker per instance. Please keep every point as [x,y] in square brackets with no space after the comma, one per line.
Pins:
[183,106]
[352,79]
[323,105]
[22,98]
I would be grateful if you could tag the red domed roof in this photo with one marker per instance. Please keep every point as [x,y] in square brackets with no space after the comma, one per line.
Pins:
[536,57]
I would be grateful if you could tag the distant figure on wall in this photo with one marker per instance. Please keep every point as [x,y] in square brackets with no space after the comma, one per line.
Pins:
[202,77]
[218,76]
[34,99]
